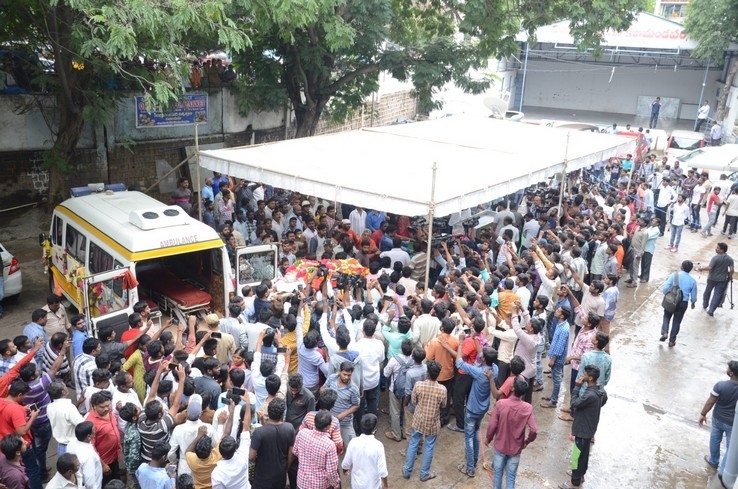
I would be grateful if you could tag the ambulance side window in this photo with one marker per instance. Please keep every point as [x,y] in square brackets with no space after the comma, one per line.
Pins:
[57,226]
[100,260]
[76,244]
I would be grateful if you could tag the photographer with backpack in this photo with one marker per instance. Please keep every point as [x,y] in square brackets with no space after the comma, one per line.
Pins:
[679,290]
[396,370]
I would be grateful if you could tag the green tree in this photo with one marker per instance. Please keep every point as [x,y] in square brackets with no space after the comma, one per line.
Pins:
[143,45]
[714,25]
[333,64]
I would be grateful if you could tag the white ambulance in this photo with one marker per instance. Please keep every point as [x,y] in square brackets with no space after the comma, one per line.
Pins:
[108,248]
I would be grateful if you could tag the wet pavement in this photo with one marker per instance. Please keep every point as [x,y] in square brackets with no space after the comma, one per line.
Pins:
[648,436]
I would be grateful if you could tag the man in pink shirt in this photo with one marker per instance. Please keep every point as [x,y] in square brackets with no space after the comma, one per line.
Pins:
[507,427]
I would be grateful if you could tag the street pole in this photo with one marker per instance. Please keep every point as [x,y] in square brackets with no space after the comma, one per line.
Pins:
[525,70]
[199,187]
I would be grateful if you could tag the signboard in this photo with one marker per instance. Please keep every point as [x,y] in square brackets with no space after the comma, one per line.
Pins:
[192,108]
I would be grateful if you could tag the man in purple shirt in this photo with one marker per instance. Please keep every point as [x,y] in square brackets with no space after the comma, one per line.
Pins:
[507,427]
[12,473]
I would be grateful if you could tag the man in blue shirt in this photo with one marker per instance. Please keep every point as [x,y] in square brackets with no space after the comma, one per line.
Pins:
[557,354]
[374,220]
[154,475]
[688,286]
[35,329]
[478,402]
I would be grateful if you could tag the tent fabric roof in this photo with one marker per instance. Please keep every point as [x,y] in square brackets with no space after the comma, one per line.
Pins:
[391,168]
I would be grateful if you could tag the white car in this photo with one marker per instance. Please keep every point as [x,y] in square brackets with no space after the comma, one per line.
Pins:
[12,275]
[682,142]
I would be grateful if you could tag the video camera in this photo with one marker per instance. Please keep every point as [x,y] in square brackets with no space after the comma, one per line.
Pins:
[344,280]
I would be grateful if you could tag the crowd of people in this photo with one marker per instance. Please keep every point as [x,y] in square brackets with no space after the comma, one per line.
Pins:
[286,388]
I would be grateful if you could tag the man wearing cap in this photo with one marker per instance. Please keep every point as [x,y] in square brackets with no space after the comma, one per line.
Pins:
[226,343]
[557,354]
[183,434]
[723,397]
[346,229]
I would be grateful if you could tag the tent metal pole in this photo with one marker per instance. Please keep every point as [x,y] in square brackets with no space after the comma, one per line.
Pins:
[431,213]
[563,177]
[525,71]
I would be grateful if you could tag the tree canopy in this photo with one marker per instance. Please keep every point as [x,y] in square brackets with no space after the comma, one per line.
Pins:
[334,62]
[98,46]
[714,25]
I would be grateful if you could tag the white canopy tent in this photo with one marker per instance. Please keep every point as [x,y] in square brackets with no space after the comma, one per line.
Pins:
[432,168]
[391,168]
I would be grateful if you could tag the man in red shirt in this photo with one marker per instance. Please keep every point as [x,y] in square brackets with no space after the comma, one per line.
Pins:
[107,436]
[507,427]
[17,418]
[471,350]
[140,316]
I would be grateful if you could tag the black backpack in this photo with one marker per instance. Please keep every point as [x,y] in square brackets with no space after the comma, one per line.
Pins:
[401,378]
[673,296]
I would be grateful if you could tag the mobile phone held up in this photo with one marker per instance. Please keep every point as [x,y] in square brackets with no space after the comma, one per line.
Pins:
[217,335]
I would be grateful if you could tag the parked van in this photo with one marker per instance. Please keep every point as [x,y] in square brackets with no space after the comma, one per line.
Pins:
[108,249]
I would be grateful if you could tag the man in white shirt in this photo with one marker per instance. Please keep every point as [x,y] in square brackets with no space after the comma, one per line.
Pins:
[679,215]
[67,468]
[371,352]
[695,206]
[365,458]
[89,460]
[232,471]
[426,326]
[702,114]
[63,416]
[358,221]
[397,253]
[667,196]
[530,229]
[183,434]
[122,395]
[233,324]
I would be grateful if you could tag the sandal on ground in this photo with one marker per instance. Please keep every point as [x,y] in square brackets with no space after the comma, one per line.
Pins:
[538,389]
[462,468]
[547,404]
[545,399]
[432,475]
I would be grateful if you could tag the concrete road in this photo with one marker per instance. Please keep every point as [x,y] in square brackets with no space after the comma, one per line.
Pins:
[648,436]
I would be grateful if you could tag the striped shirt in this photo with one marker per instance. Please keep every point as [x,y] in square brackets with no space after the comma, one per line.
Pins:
[49,357]
[348,396]
[40,397]
[158,431]
[84,365]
